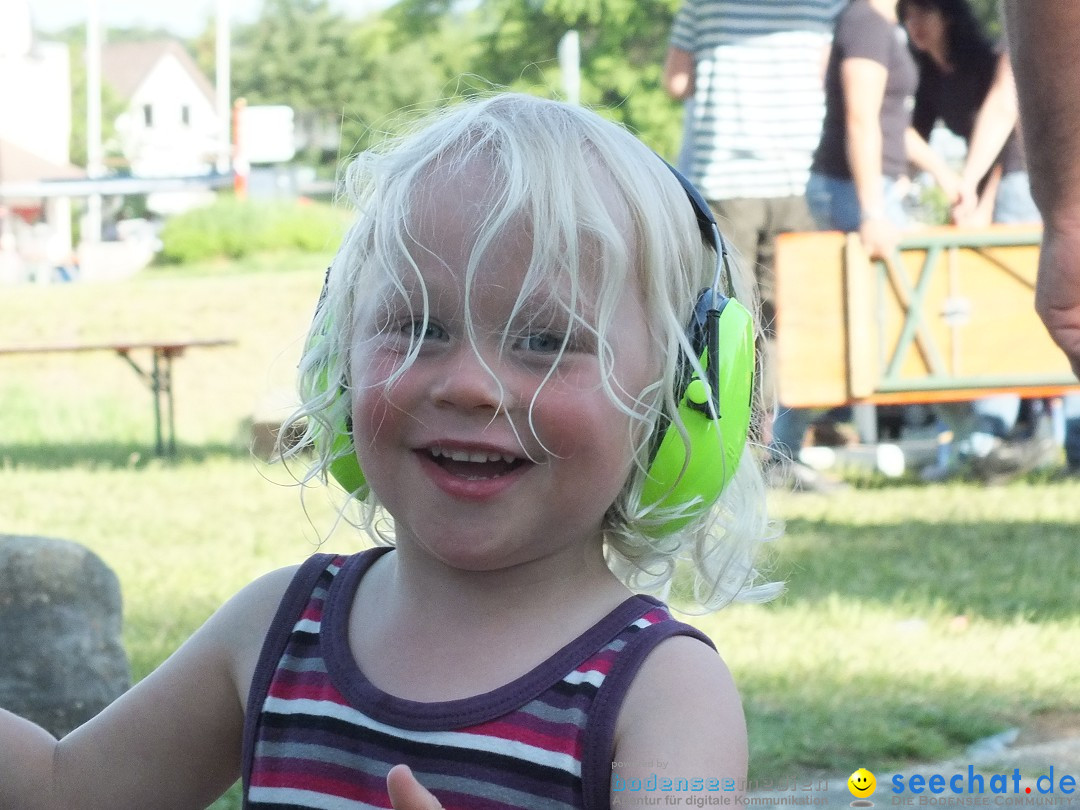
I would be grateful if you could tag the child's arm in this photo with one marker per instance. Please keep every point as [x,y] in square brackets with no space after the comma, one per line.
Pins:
[172,741]
[682,719]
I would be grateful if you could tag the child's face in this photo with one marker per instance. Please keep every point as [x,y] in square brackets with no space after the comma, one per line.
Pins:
[494,456]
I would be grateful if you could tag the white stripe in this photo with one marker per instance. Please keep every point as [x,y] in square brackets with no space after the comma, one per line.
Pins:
[591,676]
[307,626]
[453,739]
[305,798]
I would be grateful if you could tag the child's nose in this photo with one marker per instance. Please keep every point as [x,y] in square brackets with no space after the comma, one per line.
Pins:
[470,381]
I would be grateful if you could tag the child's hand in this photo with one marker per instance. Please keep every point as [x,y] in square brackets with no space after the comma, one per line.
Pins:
[408,794]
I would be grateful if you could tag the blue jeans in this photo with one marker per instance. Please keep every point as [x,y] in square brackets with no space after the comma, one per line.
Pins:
[1072,430]
[1013,203]
[835,205]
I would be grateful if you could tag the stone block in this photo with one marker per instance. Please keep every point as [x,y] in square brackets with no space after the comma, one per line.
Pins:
[63,657]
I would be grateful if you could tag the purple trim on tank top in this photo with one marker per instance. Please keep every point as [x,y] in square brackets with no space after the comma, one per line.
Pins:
[421,716]
[598,750]
[599,732]
[292,605]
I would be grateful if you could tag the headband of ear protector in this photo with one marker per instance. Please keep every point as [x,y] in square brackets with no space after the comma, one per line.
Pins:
[715,411]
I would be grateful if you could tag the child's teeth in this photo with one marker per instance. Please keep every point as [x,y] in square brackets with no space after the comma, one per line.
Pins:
[475,458]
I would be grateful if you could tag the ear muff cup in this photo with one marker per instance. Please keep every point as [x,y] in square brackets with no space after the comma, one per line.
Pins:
[689,474]
[343,466]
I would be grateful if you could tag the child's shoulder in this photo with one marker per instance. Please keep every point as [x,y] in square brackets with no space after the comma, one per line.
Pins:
[683,703]
[240,626]
[679,666]
[244,622]
[256,605]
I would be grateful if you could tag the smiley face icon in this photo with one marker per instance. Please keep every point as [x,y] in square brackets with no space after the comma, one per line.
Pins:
[862,783]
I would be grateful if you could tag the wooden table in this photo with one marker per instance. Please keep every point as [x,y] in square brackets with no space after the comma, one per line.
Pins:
[950,318]
[158,377]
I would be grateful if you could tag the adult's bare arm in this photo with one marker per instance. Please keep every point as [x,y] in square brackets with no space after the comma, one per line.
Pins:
[863,83]
[1044,38]
[679,73]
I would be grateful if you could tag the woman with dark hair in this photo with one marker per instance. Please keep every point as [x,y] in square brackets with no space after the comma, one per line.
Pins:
[966,83]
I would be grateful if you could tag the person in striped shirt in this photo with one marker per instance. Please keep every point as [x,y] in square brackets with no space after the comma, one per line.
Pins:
[501,344]
[751,72]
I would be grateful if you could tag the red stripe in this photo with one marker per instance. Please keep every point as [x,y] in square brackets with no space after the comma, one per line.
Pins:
[284,690]
[655,616]
[313,611]
[601,662]
[556,742]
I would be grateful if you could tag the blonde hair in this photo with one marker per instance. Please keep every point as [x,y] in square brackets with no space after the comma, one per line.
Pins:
[576,179]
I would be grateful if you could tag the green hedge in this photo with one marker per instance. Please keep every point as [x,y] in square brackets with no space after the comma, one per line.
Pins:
[231,228]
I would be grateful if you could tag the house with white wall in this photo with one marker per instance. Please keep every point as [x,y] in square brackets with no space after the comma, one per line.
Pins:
[170,126]
[35,130]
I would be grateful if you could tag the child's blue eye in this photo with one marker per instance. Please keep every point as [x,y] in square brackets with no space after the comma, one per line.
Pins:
[422,330]
[543,342]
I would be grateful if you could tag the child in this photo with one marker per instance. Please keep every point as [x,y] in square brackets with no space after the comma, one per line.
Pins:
[500,362]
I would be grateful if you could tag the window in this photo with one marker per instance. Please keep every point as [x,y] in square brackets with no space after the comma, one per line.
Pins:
[185,115]
[148,114]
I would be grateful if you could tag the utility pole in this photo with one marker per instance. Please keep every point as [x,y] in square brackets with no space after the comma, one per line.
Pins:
[223,79]
[569,54]
[95,165]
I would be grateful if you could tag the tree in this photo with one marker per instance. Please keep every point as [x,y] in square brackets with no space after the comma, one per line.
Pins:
[989,14]
[349,82]
[623,44]
[297,53]
[111,104]
[403,69]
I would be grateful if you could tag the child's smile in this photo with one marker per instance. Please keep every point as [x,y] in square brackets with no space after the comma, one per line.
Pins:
[472,472]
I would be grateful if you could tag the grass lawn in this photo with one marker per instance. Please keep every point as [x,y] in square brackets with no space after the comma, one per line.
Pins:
[916,618]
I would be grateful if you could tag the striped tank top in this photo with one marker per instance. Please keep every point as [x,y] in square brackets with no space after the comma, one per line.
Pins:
[319,735]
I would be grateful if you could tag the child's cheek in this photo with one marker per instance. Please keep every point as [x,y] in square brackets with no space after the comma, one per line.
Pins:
[570,414]
[372,394]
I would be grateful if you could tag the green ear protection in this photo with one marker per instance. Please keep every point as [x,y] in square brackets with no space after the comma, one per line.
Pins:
[715,411]
[689,475]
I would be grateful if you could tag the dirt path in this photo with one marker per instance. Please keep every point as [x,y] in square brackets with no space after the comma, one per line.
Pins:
[1017,774]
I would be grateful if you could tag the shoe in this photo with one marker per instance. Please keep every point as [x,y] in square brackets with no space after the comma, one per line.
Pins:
[796,477]
[832,434]
[1009,460]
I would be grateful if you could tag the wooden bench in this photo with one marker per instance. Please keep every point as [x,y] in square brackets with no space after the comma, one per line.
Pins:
[951,318]
[158,377]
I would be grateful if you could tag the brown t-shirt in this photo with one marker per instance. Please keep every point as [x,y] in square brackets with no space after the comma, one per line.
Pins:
[862,33]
